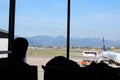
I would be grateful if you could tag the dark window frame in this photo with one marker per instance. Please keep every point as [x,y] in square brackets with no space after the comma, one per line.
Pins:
[11,26]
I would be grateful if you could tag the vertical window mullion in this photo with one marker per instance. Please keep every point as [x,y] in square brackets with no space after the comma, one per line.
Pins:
[68,29]
[11,24]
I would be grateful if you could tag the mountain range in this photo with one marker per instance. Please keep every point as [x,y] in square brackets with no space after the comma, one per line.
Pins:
[44,40]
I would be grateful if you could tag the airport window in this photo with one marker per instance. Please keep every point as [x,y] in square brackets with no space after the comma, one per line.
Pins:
[91,21]
[44,24]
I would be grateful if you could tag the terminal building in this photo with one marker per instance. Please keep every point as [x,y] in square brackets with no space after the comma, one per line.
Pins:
[3,42]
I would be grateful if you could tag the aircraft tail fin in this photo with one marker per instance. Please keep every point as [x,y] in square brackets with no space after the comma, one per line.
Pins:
[104,48]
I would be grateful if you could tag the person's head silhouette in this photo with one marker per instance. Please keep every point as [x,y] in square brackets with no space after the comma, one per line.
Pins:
[61,68]
[19,48]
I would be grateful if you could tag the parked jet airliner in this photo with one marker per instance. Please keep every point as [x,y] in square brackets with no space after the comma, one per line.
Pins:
[111,57]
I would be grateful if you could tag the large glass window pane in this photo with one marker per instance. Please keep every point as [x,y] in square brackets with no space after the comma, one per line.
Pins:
[91,20]
[4,21]
[43,23]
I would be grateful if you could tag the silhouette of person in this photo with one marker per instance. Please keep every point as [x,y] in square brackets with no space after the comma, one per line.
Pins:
[61,68]
[100,71]
[17,57]
[14,67]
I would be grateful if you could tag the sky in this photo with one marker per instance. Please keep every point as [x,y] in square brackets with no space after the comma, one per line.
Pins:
[89,18]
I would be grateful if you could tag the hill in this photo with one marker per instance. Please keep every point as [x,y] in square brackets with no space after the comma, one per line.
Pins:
[61,41]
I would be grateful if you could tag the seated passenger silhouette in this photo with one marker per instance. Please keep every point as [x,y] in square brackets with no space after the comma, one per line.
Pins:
[17,57]
[100,71]
[14,67]
[60,68]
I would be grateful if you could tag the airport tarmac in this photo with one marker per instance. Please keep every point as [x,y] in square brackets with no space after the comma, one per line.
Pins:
[42,60]
[39,61]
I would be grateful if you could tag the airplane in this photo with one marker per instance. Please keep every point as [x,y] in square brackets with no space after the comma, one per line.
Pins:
[111,57]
